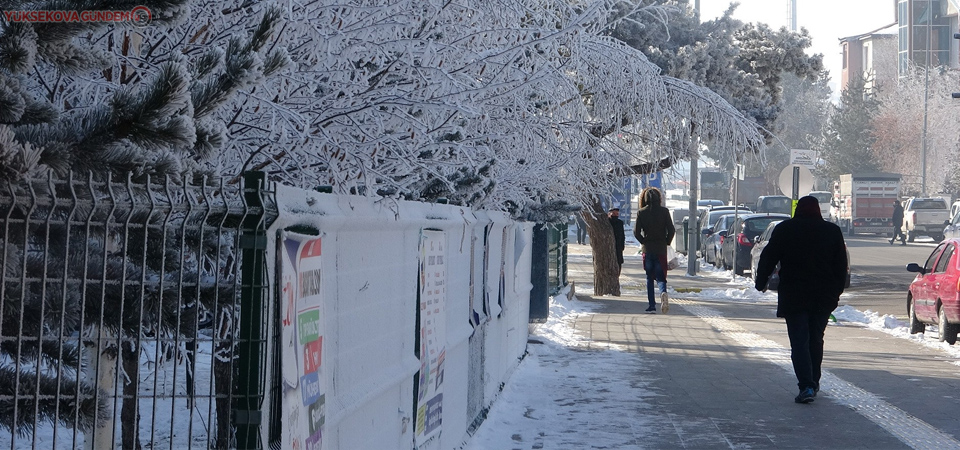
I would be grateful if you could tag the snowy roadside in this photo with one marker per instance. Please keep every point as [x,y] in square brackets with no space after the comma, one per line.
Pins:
[548,404]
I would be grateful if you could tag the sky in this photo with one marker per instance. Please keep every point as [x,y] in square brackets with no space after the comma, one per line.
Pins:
[525,411]
[826,20]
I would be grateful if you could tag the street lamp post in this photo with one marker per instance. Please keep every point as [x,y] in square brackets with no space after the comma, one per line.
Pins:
[926,89]
[956,94]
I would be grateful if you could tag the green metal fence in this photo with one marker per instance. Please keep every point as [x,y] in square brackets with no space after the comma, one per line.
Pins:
[557,249]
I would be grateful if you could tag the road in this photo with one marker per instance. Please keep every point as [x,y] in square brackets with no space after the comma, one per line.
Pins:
[879,279]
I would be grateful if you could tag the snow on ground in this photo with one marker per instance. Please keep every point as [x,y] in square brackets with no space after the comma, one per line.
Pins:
[548,404]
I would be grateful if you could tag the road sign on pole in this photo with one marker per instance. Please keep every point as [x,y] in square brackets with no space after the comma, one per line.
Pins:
[804,183]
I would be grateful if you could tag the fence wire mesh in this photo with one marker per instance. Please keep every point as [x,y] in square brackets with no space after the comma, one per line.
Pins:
[120,303]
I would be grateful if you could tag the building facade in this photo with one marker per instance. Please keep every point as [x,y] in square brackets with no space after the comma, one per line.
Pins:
[925,34]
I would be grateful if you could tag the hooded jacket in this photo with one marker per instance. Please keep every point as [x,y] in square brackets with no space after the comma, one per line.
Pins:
[813,262]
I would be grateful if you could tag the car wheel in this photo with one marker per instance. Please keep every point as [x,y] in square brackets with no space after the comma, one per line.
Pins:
[938,237]
[740,270]
[948,331]
[916,326]
[911,236]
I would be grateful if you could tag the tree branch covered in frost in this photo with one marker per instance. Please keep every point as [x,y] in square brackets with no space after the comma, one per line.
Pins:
[498,104]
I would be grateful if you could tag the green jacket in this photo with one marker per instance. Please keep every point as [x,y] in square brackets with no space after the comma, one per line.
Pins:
[654,229]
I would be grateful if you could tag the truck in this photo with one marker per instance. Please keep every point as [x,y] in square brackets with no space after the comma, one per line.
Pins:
[863,203]
[714,185]
[925,217]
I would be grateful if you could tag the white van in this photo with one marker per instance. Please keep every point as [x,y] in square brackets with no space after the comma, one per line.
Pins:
[824,198]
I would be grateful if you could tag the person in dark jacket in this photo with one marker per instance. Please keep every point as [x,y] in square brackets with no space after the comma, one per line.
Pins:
[813,270]
[654,230]
[619,239]
[898,223]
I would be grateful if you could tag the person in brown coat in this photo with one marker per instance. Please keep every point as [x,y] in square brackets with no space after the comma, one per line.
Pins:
[654,230]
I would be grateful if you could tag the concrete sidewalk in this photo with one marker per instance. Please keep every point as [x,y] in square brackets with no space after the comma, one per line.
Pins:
[721,373]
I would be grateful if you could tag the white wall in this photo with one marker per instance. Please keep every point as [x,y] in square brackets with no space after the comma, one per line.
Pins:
[370,257]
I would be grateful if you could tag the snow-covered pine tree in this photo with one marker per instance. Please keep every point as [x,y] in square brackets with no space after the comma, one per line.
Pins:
[107,100]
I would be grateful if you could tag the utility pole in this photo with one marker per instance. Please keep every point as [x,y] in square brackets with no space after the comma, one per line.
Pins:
[693,228]
[926,89]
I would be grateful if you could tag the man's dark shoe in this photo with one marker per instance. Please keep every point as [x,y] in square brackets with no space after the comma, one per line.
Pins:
[891,241]
[651,310]
[805,396]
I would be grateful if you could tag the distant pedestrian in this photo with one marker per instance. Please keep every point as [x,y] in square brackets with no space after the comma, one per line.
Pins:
[619,239]
[654,230]
[898,223]
[581,229]
[813,270]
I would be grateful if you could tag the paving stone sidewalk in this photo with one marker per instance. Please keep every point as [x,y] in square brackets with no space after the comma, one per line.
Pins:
[719,373]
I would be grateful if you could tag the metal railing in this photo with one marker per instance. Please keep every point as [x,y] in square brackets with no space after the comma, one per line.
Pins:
[132,313]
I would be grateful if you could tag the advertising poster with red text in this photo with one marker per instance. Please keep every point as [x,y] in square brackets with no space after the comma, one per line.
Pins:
[302,343]
[433,334]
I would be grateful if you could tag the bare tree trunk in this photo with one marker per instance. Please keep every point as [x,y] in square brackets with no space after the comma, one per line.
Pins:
[606,270]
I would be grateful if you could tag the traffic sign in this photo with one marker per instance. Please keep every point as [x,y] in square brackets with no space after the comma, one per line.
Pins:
[804,180]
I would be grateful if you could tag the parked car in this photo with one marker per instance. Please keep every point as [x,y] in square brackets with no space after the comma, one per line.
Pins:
[779,204]
[715,238]
[934,295]
[954,209]
[761,241]
[709,203]
[710,216]
[952,227]
[925,217]
[740,238]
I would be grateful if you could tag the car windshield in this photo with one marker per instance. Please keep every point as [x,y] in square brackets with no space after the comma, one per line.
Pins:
[714,215]
[822,197]
[757,225]
[776,202]
[933,203]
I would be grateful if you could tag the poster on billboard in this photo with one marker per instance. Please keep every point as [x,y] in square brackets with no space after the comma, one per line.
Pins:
[433,335]
[302,342]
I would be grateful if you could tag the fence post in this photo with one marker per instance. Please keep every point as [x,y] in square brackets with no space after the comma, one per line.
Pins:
[248,390]
[540,274]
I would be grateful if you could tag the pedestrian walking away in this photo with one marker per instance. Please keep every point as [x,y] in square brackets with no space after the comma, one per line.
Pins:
[813,270]
[654,230]
[581,229]
[619,239]
[898,223]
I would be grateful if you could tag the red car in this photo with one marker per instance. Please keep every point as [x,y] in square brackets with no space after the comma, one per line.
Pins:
[934,295]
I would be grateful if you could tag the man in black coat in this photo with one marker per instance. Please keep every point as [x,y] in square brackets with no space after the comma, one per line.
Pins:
[619,239]
[898,223]
[813,270]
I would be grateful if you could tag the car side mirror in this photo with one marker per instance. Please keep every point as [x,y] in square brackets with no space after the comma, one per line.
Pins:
[914,267]
[706,231]
[756,240]
[723,233]
[946,222]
